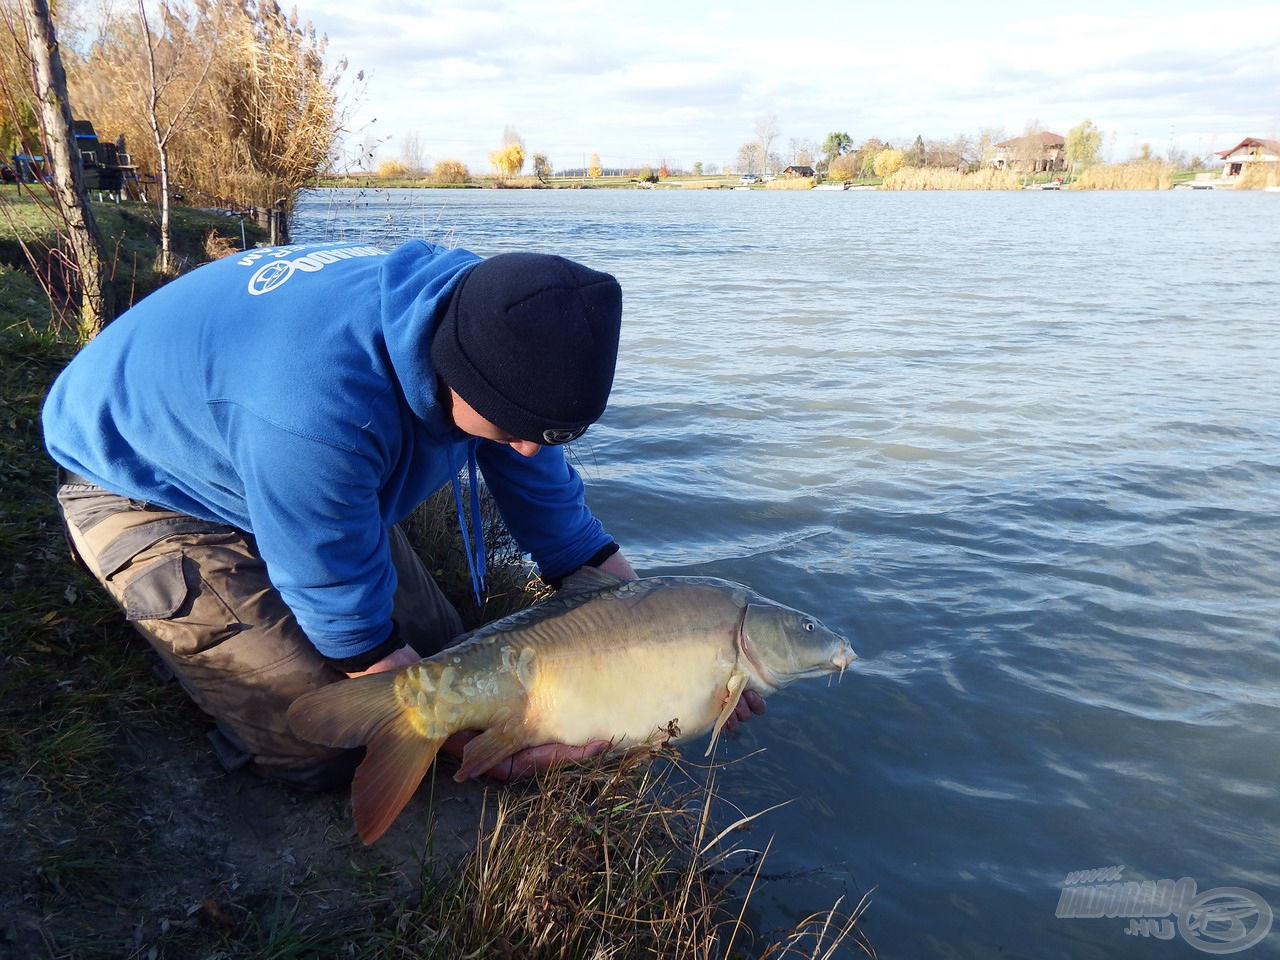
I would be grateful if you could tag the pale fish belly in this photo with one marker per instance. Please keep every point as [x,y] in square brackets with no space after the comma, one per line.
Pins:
[629,693]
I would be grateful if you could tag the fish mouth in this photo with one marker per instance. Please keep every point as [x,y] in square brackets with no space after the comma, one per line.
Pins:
[843,656]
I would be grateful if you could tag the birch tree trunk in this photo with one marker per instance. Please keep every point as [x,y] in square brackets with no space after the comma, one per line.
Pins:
[50,80]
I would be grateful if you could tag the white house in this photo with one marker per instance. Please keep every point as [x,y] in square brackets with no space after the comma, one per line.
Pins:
[1247,151]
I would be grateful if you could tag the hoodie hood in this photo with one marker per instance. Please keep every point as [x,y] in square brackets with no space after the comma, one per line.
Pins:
[418,279]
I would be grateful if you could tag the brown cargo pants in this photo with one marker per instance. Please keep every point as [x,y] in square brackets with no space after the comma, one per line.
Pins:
[199,592]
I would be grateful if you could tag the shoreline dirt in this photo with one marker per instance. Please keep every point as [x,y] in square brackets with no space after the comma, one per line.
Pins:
[201,852]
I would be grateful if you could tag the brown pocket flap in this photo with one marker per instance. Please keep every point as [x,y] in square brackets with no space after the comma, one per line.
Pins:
[158,591]
[120,552]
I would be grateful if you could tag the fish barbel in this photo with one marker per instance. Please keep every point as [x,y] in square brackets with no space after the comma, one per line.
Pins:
[617,661]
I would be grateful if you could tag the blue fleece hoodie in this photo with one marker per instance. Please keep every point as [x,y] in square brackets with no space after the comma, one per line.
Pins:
[289,392]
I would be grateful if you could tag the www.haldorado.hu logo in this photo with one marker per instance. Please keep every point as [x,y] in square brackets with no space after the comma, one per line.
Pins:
[1221,920]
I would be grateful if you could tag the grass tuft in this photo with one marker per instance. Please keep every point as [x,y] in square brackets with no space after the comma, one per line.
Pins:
[614,858]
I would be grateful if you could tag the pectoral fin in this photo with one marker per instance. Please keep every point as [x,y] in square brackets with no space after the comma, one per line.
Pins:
[487,751]
[734,688]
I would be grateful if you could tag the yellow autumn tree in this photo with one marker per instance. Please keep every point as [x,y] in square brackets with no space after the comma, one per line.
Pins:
[593,168]
[508,160]
[451,171]
[888,161]
[19,124]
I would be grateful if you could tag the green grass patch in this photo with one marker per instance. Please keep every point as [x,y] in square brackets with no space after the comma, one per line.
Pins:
[30,242]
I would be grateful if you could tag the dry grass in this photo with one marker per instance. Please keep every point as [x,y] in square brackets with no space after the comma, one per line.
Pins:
[790,183]
[519,183]
[435,532]
[617,858]
[1258,176]
[934,178]
[1126,176]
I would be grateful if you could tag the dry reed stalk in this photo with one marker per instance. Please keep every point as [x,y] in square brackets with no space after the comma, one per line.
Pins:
[1259,176]
[936,178]
[1126,176]
[611,859]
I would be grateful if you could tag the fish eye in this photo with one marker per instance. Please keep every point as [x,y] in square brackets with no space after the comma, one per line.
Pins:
[809,626]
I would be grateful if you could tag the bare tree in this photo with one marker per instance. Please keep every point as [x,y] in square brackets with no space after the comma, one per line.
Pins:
[802,151]
[49,82]
[165,70]
[412,154]
[751,158]
[767,131]
[1029,149]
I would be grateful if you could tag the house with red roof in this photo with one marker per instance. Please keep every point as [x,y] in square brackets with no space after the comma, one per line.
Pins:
[1032,153]
[1248,151]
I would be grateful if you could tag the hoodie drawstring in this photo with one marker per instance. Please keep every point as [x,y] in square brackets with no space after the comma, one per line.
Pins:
[475,557]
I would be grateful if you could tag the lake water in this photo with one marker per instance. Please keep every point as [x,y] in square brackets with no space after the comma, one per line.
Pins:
[1024,451]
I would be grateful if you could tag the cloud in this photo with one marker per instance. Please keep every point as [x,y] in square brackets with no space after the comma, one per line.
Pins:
[631,81]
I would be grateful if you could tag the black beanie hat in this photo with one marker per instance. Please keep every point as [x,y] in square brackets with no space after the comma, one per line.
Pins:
[530,341]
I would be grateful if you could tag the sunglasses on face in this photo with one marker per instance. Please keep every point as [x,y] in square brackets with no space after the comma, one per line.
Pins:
[553,438]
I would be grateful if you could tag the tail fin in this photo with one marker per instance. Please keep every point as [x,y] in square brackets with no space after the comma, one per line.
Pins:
[366,710]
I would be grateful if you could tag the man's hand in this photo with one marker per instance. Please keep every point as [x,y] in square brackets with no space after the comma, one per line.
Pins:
[750,704]
[392,661]
[619,566]
[531,760]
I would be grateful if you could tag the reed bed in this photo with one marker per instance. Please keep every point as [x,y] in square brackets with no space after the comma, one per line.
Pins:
[1126,176]
[1259,176]
[790,183]
[934,178]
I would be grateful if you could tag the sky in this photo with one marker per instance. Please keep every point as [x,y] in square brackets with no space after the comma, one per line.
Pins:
[652,81]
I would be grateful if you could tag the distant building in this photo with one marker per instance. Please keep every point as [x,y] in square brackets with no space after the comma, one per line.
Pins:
[1033,153]
[798,171]
[1248,151]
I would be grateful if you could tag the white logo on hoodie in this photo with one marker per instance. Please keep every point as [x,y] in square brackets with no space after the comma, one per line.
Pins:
[273,275]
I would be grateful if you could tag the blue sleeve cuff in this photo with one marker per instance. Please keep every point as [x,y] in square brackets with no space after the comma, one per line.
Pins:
[362,661]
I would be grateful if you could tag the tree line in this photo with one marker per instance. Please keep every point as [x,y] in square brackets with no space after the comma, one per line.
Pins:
[839,157]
